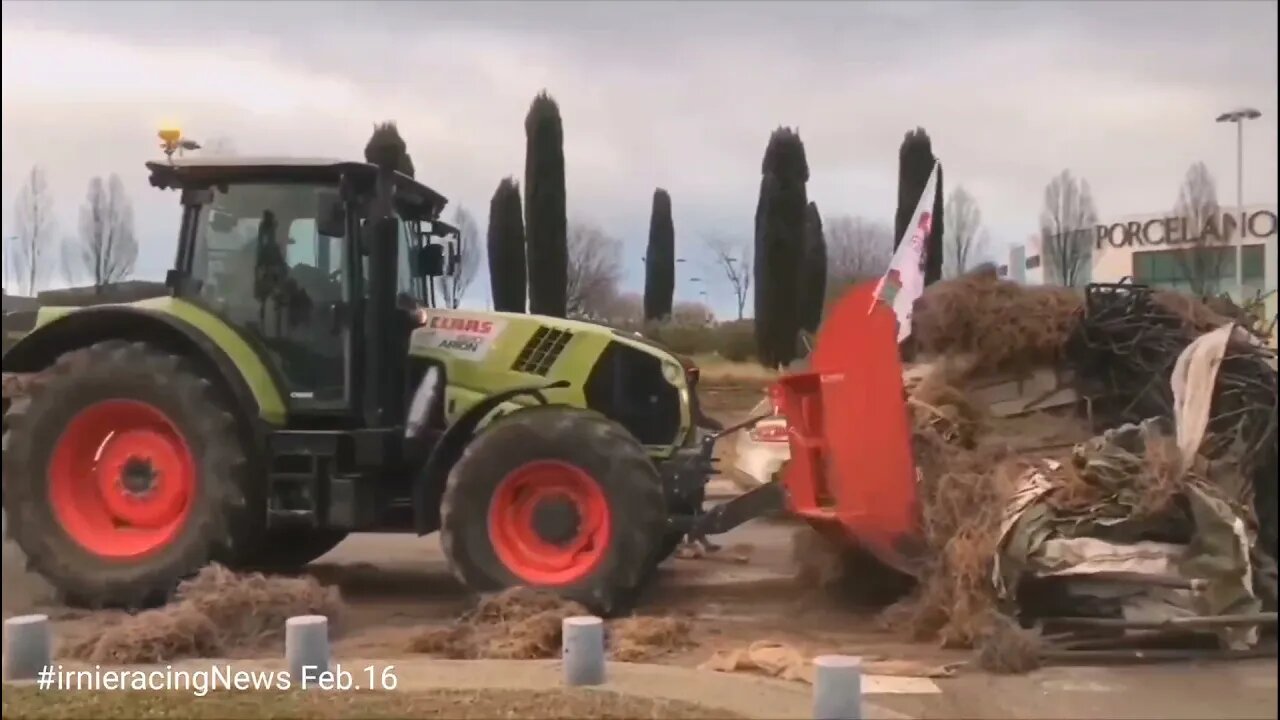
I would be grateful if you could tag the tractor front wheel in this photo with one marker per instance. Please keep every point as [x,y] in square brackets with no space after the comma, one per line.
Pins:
[556,498]
[123,475]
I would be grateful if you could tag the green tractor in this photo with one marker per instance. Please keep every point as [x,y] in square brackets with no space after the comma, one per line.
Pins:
[293,382]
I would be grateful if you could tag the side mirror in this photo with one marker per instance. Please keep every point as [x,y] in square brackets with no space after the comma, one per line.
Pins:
[455,260]
[331,216]
[429,261]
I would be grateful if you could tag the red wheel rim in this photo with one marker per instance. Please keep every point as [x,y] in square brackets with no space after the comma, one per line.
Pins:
[532,489]
[121,479]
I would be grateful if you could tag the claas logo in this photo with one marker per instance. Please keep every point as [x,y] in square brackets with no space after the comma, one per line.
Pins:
[478,327]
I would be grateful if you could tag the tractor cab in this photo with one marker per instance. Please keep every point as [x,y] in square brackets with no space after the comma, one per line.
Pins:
[304,261]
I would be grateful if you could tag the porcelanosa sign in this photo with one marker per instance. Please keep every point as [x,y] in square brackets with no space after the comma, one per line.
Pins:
[1180,231]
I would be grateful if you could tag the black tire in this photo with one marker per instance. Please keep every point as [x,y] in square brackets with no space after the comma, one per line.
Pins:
[586,440]
[290,549]
[224,516]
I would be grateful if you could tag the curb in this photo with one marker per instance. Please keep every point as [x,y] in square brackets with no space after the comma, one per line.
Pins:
[746,695]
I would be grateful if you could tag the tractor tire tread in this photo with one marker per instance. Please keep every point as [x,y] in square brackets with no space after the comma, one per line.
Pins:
[613,587]
[221,521]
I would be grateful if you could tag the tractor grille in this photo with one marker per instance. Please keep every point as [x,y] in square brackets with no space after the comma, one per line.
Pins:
[627,386]
[542,350]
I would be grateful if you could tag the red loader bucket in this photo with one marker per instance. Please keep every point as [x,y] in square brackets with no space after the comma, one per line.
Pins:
[851,473]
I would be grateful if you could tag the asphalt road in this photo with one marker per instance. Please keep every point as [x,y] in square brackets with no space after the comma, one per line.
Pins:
[394,583]
[754,600]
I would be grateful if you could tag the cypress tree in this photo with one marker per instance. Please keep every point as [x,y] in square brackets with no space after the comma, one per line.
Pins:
[764,295]
[546,225]
[933,261]
[813,271]
[387,149]
[506,248]
[660,259]
[915,161]
[780,221]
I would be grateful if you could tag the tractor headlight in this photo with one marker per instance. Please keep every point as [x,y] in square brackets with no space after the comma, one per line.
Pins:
[424,398]
[671,373]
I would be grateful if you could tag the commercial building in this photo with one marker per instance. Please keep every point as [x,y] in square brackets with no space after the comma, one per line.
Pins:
[1196,255]
[1172,252]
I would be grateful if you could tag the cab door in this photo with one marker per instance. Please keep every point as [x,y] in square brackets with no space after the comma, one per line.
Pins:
[273,265]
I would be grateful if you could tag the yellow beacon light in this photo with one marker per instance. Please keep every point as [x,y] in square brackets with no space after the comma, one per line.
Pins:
[170,138]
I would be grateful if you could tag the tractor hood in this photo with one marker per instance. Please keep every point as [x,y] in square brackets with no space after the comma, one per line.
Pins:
[474,336]
[624,377]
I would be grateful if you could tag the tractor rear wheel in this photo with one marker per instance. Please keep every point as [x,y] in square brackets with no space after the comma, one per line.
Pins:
[124,474]
[556,498]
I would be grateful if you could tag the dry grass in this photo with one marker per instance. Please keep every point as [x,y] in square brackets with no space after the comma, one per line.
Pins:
[517,624]
[938,404]
[525,624]
[213,614]
[962,495]
[1197,316]
[968,475]
[28,702]
[641,638]
[716,370]
[1003,325]
[1007,648]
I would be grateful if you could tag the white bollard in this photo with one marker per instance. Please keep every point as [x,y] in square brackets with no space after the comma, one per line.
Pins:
[28,646]
[582,651]
[837,687]
[306,648]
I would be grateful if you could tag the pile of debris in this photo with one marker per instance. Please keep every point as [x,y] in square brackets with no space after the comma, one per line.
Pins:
[525,624]
[1163,523]
[217,613]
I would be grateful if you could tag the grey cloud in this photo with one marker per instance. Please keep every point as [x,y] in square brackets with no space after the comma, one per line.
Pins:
[684,95]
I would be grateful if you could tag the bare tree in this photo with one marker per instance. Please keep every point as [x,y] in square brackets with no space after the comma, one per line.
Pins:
[857,250]
[34,227]
[964,237]
[107,248]
[471,251]
[734,259]
[593,270]
[1066,229]
[1201,261]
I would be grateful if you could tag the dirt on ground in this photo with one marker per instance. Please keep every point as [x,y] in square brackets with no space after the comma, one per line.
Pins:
[28,702]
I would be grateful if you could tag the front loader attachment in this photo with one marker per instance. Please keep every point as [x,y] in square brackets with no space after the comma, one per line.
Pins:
[851,473]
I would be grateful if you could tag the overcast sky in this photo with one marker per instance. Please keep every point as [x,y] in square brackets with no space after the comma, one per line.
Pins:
[658,94]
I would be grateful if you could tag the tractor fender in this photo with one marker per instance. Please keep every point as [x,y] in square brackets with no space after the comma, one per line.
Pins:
[450,447]
[84,327]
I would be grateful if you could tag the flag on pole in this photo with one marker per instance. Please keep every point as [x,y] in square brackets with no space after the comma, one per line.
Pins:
[903,284]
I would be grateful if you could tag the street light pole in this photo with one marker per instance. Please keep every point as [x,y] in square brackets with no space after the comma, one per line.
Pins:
[1238,117]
